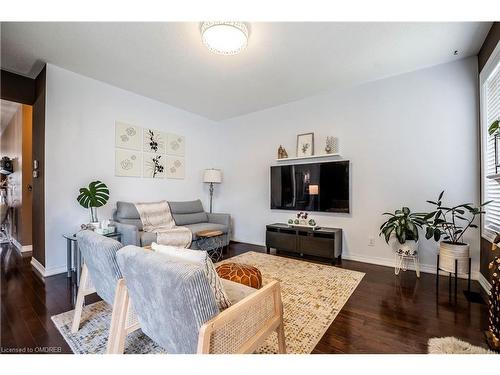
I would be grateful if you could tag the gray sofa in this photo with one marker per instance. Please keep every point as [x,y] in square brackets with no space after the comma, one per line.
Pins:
[188,214]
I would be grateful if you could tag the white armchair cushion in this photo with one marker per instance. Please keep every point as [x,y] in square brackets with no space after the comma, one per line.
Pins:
[203,259]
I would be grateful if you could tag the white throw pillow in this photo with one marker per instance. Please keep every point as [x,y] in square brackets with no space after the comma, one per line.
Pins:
[203,259]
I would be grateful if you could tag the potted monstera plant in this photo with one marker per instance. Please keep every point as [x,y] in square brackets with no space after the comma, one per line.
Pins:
[94,196]
[450,224]
[403,225]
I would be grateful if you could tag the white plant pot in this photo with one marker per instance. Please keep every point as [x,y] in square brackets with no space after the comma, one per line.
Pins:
[408,248]
[448,252]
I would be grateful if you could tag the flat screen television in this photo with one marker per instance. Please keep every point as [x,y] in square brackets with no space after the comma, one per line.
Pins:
[311,187]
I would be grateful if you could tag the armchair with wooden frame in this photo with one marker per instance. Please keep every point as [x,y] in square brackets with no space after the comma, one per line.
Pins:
[185,317]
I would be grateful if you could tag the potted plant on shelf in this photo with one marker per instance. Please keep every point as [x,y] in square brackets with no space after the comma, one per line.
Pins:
[96,195]
[451,224]
[404,225]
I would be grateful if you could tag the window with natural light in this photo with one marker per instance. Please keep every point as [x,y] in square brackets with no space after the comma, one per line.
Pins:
[490,103]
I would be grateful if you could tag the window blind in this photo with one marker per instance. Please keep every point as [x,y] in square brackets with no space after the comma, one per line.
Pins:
[491,107]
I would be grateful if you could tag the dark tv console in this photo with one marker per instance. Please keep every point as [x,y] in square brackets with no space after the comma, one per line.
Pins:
[321,242]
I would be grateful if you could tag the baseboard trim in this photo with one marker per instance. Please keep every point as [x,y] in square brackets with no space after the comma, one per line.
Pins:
[426,268]
[16,244]
[484,283]
[27,249]
[43,272]
[21,248]
[39,268]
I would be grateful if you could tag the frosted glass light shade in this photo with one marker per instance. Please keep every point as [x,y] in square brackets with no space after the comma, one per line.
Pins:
[212,175]
[224,38]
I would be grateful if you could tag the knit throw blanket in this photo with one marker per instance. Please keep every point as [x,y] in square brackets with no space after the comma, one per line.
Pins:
[157,218]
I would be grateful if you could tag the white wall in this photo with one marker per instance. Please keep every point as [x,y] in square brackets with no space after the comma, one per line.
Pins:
[408,137]
[80,128]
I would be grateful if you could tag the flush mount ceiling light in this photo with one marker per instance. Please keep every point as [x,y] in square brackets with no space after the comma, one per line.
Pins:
[224,38]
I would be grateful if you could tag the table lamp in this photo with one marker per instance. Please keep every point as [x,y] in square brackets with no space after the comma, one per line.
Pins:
[212,176]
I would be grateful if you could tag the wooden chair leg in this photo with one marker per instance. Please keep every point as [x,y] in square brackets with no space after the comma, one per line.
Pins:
[117,331]
[80,299]
[281,339]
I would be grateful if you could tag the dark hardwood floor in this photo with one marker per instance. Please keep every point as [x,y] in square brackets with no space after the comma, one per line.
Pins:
[386,313]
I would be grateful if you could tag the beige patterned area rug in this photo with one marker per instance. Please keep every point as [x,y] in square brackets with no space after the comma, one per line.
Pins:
[312,294]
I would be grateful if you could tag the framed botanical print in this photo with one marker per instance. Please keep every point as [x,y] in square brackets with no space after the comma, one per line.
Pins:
[305,144]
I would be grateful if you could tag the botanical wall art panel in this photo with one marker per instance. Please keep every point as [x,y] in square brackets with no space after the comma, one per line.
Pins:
[154,165]
[175,144]
[154,141]
[128,163]
[175,167]
[128,136]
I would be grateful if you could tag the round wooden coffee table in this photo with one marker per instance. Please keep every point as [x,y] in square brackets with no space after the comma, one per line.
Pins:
[212,242]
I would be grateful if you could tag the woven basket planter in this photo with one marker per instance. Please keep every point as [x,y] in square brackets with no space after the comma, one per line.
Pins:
[449,252]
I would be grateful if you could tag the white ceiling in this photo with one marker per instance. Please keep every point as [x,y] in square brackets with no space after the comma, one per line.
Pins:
[7,111]
[283,61]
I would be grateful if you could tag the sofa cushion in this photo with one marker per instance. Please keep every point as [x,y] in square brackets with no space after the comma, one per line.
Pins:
[187,219]
[203,259]
[189,212]
[147,238]
[187,207]
[195,228]
[126,213]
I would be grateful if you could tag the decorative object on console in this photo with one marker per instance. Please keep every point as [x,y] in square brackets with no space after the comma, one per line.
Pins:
[302,221]
[154,165]
[332,145]
[305,144]
[128,163]
[404,225]
[282,154]
[212,176]
[128,136]
[493,332]
[96,195]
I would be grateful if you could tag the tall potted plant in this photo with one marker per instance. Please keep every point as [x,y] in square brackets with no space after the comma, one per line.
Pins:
[451,224]
[96,195]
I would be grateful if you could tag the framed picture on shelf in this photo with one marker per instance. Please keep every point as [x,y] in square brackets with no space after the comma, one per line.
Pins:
[305,144]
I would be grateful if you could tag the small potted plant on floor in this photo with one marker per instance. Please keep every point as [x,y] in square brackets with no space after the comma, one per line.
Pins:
[404,225]
[451,224]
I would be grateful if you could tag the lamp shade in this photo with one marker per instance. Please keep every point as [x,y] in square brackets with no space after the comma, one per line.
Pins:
[212,175]
[313,189]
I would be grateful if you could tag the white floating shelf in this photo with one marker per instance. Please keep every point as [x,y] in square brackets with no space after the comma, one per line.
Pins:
[310,157]
[494,176]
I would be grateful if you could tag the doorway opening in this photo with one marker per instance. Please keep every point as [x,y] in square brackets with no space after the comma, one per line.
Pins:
[16,179]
